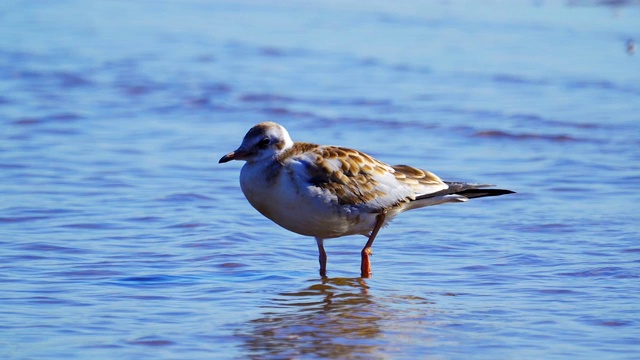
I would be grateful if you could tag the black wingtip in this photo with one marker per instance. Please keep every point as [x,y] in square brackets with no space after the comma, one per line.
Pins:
[476,193]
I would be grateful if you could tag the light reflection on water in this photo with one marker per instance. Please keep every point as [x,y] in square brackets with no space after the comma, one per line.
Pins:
[333,318]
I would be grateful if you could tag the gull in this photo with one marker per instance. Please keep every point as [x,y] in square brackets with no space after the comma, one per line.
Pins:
[329,191]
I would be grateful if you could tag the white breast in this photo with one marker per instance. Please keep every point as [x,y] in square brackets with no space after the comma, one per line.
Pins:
[298,206]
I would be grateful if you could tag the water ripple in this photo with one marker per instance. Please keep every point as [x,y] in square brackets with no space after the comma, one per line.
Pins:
[605,272]
[499,134]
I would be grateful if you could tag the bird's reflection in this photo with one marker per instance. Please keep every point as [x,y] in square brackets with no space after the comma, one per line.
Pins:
[334,318]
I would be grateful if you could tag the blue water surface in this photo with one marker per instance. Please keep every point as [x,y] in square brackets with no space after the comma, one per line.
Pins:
[123,238]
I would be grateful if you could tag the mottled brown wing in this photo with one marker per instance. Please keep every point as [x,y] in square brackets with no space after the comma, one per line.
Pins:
[422,182]
[355,178]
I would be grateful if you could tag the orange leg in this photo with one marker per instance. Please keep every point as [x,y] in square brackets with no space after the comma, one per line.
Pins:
[322,257]
[365,265]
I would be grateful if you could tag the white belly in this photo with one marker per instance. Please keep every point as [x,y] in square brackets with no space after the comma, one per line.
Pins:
[301,208]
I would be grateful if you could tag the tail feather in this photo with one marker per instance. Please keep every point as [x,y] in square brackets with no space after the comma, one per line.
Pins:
[476,193]
[469,191]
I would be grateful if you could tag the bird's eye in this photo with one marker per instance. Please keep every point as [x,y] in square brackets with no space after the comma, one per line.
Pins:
[264,143]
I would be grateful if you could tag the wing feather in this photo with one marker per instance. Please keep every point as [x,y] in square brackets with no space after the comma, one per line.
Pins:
[355,178]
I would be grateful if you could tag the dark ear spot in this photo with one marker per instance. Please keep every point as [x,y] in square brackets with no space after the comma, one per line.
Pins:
[264,143]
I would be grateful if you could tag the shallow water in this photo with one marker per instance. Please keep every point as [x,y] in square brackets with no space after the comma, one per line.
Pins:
[123,237]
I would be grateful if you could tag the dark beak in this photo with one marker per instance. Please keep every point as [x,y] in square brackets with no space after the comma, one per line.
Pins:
[234,155]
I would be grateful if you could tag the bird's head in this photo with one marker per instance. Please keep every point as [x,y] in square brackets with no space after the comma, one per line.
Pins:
[264,141]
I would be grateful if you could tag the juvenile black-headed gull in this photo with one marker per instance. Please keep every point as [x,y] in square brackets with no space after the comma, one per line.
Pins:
[330,191]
